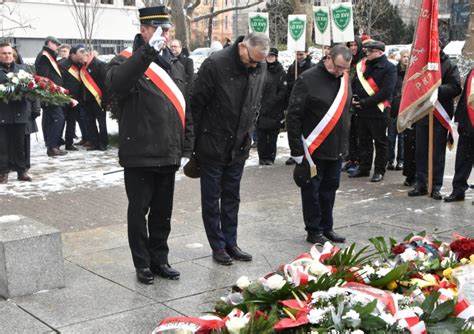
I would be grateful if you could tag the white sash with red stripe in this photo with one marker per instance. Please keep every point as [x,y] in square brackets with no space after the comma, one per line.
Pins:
[369,84]
[53,62]
[163,81]
[327,123]
[442,116]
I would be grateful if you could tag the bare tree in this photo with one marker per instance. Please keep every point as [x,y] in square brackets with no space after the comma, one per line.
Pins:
[305,7]
[468,50]
[11,18]
[368,14]
[86,15]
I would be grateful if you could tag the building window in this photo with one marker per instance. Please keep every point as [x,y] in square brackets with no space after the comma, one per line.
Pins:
[83,1]
[129,2]
[107,2]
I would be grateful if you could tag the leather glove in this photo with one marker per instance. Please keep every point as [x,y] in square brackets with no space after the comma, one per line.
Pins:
[157,41]
[298,160]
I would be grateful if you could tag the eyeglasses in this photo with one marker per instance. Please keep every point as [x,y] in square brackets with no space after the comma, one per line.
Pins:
[251,60]
[339,67]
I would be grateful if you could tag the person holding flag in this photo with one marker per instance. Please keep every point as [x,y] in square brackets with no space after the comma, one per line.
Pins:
[318,129]
[155,135]
[465,151]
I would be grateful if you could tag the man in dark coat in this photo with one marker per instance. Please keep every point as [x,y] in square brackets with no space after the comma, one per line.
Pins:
[53,116]
[13,119]
[321,94]
[373,85]
[302,63]
[464,116]
[271,115]
[155,135]
[226,98]
[95,97]
[393,135]
[449,89]
[70,70]
[176,48]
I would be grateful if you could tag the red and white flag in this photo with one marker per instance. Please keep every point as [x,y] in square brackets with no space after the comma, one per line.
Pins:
[423,76]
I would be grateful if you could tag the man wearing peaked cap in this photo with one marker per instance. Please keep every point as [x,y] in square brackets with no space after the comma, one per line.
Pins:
[156,137]
[375,45]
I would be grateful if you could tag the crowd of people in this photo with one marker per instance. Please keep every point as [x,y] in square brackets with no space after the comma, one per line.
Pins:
[336,112]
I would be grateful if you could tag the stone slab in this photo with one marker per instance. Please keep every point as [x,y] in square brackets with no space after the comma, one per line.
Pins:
[199,304]
[14,320]
[81,302]
[31,257]
[141,320]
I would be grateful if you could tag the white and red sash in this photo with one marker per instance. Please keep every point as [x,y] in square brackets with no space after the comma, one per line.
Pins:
[369,85]
[165,84]
[328,122]
[53,62]
[470,97]
[90,83]
[443,117]
[74,71]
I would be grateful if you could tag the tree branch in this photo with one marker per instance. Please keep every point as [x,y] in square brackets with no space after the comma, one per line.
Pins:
[225,10]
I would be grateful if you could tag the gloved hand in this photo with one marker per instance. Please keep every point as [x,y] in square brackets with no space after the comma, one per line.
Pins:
[184,161]
[298,160]
[157,41]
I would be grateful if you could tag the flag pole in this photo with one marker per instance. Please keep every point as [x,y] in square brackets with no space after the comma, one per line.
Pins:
[430,152]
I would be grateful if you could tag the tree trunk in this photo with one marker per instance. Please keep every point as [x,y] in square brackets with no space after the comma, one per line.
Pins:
[305,7]
[180,22]
[468,50]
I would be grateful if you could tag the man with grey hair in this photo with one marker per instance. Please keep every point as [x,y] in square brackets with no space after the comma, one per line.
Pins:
[225,100]
[318,129]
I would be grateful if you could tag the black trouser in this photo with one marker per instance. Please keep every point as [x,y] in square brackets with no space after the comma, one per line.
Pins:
[220,199]
[463,165]
[373,131]
[95,113]
[149,192]
[267,143]
[392,140]
[72,115]
[440,137]
[353,139]
[53,125]
[319,196]
[12,148]
[409,163]
[27,151]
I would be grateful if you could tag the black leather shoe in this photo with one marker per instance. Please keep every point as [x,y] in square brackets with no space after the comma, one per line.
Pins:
[409,182]
[24,177]
[71,148]
[390,166]
[144,275]
[399,166]
[221,257]
[290,161]
[417,192]
[333,236]
[3,178]
[454,198]
[237,254]
[376,177]
[316,238]
[165,271]
[359,173]
[435,194]
[55,152]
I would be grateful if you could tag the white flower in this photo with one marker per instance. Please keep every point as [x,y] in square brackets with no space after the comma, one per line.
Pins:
[23,74]
[318,269]
[444,263]
[334,291]
[2,88]
[351,314]
[358,331]
[409,255]
[275,282]
[422,256]
[368,270]
[417,310]
[235,324]
[315,316]
[319,295]
[381,272]
[15,80]
[10,75]
[387,317]
[243,282]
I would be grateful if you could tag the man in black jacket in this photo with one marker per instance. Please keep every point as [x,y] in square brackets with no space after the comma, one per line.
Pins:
[176,48]
[155,135]
[449,89]
[225,100]
[70,70]
[53,116]
[465,152]
[319,111]
[271,115]
[373,86]
[13,119]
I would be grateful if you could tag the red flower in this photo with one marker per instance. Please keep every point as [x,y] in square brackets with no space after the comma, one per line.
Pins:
[421,249]
[42,84]
[463,247]
[52,89]
[31,85]
[398,249]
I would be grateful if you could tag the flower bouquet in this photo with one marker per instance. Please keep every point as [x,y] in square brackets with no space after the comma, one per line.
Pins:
[23,85]
[388,287]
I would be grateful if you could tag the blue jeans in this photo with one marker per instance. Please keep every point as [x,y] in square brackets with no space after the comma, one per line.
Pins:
[392,138]
[220,200]
[319,196]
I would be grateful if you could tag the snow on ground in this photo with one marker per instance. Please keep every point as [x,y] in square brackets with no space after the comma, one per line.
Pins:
[84,169]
